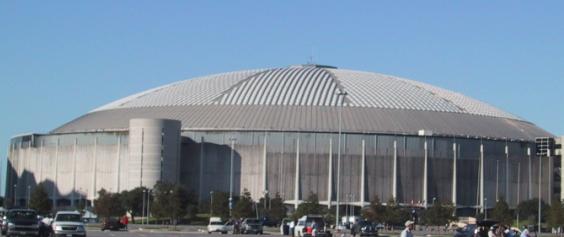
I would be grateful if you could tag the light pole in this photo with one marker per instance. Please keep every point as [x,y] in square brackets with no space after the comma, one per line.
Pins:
[540,185]
[485,208]
[211,203]
[351,206]
[232,139]
[265,192]
[148,205]
[143,208]
[15,194]
[342,98]
[28,194]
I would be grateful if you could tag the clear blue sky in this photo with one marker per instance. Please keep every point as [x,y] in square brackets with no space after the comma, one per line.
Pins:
[59,60]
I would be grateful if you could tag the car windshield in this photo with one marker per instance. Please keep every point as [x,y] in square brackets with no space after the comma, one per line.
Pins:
[68,217]
[22,215]
[253,221]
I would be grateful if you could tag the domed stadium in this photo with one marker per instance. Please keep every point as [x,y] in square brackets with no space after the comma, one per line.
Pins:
[346,136]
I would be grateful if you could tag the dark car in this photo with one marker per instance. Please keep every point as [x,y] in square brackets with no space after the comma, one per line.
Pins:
[251,226]
[21,222]
[113,224]
[367,228]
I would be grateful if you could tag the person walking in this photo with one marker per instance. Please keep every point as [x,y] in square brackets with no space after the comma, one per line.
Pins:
[525,232]
[125,221]
[353,229]
[408,228]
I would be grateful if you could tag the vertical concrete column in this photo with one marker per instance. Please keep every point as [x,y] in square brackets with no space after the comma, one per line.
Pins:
[74,172]
[94,170]
[297,178]
[454,157]
[56,184]
[507,172]
[264,175]
[362,173]
[41,158]
[395,172]
[425,174]
[518,184]
[482,204]
[330,174]
[497,180]
[118,158]
[530,193]
[549,181]
[202,169]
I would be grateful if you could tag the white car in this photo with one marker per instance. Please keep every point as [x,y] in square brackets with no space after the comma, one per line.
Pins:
[216,225]
[68,223]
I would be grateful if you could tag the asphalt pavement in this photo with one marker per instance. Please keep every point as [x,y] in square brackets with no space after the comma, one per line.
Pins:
[97,233]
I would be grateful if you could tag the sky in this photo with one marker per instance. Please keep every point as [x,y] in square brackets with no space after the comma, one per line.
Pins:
[61,59]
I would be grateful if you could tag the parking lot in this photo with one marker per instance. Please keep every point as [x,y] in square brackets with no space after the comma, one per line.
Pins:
[96,233]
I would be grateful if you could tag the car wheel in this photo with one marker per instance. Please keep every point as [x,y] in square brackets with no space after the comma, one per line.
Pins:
[209,232]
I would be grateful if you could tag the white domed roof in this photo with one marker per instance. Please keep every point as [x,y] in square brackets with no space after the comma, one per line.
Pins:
[308,85]
[305,98]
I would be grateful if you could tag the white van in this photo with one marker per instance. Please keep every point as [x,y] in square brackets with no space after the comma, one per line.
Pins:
[311,221]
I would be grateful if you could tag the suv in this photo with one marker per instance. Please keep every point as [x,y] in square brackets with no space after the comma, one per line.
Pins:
[68,223]
[251,225]
[21,222]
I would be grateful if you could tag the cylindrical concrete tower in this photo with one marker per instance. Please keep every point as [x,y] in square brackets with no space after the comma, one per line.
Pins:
[154,151]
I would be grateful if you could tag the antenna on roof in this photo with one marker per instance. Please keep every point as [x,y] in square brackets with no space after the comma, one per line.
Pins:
[311,57]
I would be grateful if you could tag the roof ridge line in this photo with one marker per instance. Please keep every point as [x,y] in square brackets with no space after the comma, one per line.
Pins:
[218,98]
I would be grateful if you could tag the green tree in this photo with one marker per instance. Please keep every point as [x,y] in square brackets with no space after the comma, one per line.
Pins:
[244,206]
[108,204]
[529,209]
[438,214]
[375,212]
[502,213]
[220,205]
[555,216]
[309,207]
[277,210]
[132,201]
[170,201]
[39,200]
[395,215]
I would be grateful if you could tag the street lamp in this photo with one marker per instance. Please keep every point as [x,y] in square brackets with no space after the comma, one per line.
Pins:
[232,139]
[211,203]
[485,208]
[15,193]
[148,205]
[265,192]
[28,194]
[143,207]
[342,95]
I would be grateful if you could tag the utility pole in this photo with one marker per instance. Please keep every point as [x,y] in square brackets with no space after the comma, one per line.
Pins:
[342,98]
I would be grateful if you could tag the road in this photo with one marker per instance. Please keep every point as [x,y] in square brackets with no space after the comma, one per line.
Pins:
[97,233]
